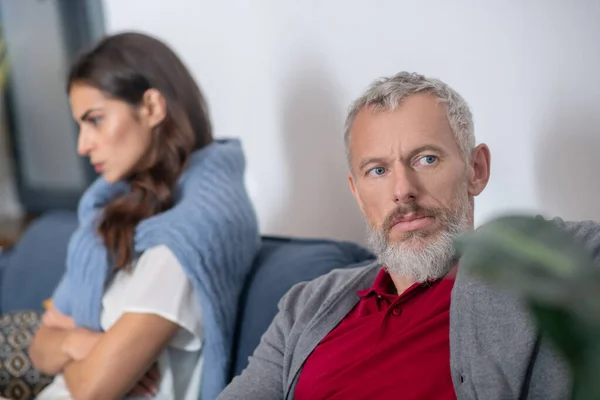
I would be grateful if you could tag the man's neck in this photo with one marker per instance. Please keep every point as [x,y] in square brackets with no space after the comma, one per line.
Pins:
[401,283]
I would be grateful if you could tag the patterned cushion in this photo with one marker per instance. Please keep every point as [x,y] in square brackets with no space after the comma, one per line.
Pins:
[18,379]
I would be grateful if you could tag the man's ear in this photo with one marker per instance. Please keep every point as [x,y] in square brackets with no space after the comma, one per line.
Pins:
[479,170]
[154,108]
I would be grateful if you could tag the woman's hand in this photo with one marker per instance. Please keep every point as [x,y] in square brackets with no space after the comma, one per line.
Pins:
[80,342]
[148,385]
[46,347]
[53,318]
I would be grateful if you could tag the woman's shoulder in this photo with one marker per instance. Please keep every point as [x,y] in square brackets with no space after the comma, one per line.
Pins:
[161,251]
[157,258]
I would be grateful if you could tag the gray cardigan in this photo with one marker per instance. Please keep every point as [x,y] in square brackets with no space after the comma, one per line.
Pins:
[495,351]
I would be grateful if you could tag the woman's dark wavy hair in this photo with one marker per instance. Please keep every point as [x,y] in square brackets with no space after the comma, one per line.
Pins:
[124,67]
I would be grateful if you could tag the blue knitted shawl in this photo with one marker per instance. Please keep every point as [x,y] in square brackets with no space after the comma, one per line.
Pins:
[212,230]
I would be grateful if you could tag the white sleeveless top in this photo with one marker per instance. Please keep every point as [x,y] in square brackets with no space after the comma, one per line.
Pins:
[156,285]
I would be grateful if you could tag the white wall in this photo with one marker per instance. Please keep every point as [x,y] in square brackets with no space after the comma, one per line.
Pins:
[281,73]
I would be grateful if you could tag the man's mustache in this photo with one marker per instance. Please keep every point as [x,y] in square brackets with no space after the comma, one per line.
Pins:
[404,209]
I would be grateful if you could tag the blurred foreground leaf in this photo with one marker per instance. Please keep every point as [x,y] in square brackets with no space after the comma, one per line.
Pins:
[556,277]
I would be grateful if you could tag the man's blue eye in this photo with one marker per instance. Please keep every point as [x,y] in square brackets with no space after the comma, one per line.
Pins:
[428,160]
[378,171]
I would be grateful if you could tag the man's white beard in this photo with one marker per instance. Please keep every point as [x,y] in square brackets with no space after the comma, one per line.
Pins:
[421,258]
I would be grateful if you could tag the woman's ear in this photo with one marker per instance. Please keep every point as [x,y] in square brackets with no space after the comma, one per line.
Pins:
[479,173]
[154,108]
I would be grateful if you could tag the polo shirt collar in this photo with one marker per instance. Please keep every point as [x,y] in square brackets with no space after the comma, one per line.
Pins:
[383,285]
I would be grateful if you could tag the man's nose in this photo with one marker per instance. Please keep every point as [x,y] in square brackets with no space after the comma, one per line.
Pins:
[405,185]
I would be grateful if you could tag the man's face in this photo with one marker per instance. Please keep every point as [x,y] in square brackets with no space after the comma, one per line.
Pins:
[412,184]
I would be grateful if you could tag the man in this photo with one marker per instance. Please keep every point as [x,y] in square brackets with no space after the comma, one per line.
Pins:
[411,326]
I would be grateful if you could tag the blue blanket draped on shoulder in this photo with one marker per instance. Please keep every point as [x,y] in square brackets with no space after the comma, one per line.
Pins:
[212,230]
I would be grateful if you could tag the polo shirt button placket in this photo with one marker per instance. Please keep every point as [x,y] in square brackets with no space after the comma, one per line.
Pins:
[396,311]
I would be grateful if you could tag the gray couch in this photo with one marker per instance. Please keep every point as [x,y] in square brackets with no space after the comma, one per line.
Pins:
[29,273]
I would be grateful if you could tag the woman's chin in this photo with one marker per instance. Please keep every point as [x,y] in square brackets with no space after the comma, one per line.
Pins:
[111,178]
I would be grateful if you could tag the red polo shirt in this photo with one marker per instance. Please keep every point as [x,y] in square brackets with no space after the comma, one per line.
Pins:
[387,347]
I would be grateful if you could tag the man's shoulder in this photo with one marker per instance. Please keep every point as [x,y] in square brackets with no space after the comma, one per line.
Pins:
[340,276]
[585,232]
[337,282]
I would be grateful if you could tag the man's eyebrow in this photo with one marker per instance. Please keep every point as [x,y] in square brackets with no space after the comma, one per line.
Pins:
[427,147]
[371,160]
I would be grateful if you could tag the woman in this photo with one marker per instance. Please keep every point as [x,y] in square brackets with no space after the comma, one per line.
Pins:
[167,236]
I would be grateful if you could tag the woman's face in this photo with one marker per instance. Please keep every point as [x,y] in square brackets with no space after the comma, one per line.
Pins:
[115,136]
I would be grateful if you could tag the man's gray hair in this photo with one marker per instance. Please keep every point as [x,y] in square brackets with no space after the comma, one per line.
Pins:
[386,94]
